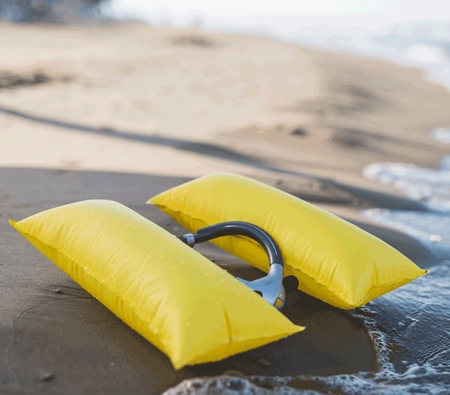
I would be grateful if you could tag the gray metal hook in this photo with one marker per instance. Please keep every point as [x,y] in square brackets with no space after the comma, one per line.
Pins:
[270,287]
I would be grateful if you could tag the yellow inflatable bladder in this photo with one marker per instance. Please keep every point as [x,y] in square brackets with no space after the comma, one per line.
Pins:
[185,305]
[333,260]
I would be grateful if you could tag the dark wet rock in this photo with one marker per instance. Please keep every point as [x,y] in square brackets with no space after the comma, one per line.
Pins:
[300,132]
[46,377]
[10,80]
[13,80]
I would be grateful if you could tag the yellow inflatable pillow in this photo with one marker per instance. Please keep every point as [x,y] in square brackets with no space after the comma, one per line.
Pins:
[333,260]
[185,305]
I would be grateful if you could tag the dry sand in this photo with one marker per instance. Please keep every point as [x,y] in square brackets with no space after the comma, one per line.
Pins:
[124,112]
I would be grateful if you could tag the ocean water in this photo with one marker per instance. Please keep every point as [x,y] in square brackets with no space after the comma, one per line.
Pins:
[425,45]
[431,187]
[410,326]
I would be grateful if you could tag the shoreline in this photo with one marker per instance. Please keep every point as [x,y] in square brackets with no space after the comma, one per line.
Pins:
[125,112]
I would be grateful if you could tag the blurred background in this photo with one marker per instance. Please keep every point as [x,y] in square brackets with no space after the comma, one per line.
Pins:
[407,31]
[410,31]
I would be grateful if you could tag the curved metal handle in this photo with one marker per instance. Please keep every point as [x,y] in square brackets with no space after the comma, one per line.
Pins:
[237,228]
[269,287]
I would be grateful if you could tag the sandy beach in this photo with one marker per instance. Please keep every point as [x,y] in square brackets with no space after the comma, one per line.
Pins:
[123,112]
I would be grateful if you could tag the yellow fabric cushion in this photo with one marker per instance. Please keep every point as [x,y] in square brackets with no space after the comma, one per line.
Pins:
[333,260]
[187,306]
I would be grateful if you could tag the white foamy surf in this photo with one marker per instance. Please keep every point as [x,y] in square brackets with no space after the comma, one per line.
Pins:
[430,186]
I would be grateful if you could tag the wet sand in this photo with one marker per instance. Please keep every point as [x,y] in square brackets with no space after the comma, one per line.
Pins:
[125,112]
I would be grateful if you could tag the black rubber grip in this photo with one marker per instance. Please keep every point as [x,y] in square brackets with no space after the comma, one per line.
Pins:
[237,228]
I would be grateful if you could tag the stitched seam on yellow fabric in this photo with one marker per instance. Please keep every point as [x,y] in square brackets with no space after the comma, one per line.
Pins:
[396,282]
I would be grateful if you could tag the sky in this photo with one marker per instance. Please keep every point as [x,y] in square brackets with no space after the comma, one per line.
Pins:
[285,15]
